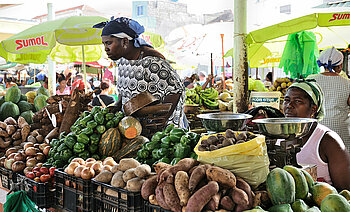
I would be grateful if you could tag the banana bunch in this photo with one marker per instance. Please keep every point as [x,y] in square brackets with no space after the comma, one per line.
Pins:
[208,98]
[192,97]
[281,85]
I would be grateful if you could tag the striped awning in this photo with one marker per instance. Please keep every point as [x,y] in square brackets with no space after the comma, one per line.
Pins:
[336,4]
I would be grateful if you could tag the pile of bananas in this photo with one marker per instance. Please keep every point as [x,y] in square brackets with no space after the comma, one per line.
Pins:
[192,96]
[206,98]
[281,85]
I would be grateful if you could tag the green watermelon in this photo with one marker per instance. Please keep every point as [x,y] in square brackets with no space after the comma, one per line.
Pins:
[9,109]
[23,97]
[40,102]
[42,90]
[28,116]
[2,100]
[24,106]
[13,94]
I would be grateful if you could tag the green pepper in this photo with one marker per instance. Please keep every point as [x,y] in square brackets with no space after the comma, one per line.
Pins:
[83,138]
[150,161]
[120,114]
[85,120]
[85,155]
[194,138]
[62,147]
[87,131]
[185,139]
[169,128]
[143,154]
[54,142]
[58,163]
[95,110]
[176,134]
[109,116]
[97,157]
[110,124]
[116,120]
[52,152]
[155,154]
[51,160]
[66,154]
[78,147]
[104,111]
[151,146]
[164,160]
[70,140]
[182,150]
[101,129]
[62,135]
[73,128]
[91,124]
[57,156]
[94,139]
[77,121]
[194,155]
[99,118]
[93,148]
[166,142]
[85,113]
[175,161]
[157,136]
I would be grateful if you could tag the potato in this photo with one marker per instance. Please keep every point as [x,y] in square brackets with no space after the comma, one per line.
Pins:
[149,187]
[128,163]
[143,171]
[223,176]
[160,166]
[104,176]
[134,184]
[181,186]
[129,174]
[10,129]
[117,180]
[111,192]
[115,168]
[25,132]
[240,197]
[227,203]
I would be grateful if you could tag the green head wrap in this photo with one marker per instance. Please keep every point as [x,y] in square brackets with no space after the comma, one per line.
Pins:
[315,92]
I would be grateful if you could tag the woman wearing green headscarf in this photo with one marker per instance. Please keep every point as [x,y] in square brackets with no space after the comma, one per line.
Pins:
[321,146]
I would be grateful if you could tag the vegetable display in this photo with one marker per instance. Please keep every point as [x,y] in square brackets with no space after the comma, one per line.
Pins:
[206,98]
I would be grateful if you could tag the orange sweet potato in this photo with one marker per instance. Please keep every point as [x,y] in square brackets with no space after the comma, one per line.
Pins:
[149,187]
[223,176]
[199,199]
[197,175]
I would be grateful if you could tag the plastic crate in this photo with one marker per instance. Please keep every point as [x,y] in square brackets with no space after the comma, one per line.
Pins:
[109,198]
[148,207]
[40,193]
[8,178]
[73,193]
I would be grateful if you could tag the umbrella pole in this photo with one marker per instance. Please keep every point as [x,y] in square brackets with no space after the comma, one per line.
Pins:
[84,68]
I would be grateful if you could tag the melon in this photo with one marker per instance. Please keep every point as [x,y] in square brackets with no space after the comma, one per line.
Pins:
[9,109]
[110,142]
[40,102]
[28,116]
[42,90]
[13,94]
[24,106]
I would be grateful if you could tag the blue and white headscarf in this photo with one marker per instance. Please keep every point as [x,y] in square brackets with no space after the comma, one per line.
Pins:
[330,58]
[123,27]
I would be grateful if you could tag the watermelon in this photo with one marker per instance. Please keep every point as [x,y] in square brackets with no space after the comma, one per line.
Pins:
[9,109]
[24,106]
[42,90]
[13,94]
[28,116]
[23,98]
[2,100]
[40,102]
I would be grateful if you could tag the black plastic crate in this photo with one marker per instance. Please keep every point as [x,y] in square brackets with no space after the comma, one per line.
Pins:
[148,207]
[112,199]
[72,193]
[40,193]
[8,178]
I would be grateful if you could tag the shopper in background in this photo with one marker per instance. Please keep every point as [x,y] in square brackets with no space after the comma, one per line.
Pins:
[190,82]
[9,82]
[268,80]
[62,88]
[336,90]
[103,99]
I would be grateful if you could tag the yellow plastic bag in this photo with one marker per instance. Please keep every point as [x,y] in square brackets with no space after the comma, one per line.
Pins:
[248,160]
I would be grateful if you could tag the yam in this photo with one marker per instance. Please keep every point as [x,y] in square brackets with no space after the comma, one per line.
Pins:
[129,174]
[152,199]
[10,129]
[3,133]
[213,204]
[10,121]
[149,187]
[143,171]
[25,130]
[160,166]
[171,198]
[223,176]
[52,134]
[21,122]
[227,203]
[117,180]
[183,165]
[134,184]
[3,125]
[199,199]
[240,208]
[240,183]
[160,197]
[16,135]
[197,175]
[181,186]
[3,143]
[239,197]
[128,163]
[104,176]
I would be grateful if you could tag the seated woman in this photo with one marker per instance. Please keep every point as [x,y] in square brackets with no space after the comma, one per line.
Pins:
[103,99]
[321,146]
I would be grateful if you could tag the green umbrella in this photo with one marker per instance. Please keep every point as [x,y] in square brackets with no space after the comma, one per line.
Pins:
[65,40]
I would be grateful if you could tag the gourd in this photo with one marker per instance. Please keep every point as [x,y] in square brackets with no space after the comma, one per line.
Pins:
[130,127]
[130,148]
[110,142]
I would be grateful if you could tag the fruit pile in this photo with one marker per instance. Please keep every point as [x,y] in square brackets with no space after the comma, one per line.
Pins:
[206,98]
[281,85]
[225,100]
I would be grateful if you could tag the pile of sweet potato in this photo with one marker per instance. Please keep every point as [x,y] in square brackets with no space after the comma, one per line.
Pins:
[192,187]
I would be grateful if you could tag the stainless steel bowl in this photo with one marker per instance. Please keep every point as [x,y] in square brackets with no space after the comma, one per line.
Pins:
[284,127]
[220,122]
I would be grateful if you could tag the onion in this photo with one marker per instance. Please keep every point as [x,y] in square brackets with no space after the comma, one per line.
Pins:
[8,163]
[72,166]
[90,160]
[28,144]
[77,171]
[79,160]
[27,169]
[97,167]
[42,146]
[87,173]
[31,162]
[40,157]
[36,146]
[12,156]
[18,166]
[107,167]
[19,157]
[39,165]
[107,159]
[10,151]
[30,151]
[89,164]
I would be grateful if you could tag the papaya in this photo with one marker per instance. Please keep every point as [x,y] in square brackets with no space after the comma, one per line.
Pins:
[40,102]
[42,90]
[310,181]
[346,194]
[313,209]
[280,187]
[320,190]
[13,94]
[301,186]
[335,203]
[281,208]
[299,206]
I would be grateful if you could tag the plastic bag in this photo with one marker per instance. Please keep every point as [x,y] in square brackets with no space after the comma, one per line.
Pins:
[248,160]
[19,201]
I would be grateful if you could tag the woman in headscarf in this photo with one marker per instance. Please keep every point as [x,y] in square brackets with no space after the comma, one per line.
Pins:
[321,146]
[141,68]
[336,90]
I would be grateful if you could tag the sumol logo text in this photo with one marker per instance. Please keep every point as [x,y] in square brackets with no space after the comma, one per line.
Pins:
[340,16]
[30,42]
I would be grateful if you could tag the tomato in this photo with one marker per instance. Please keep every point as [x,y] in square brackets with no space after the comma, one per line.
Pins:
[37,179]
[45,178]
[44,170]
[37,174]
[52,171]
[30,175]
[36,169]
